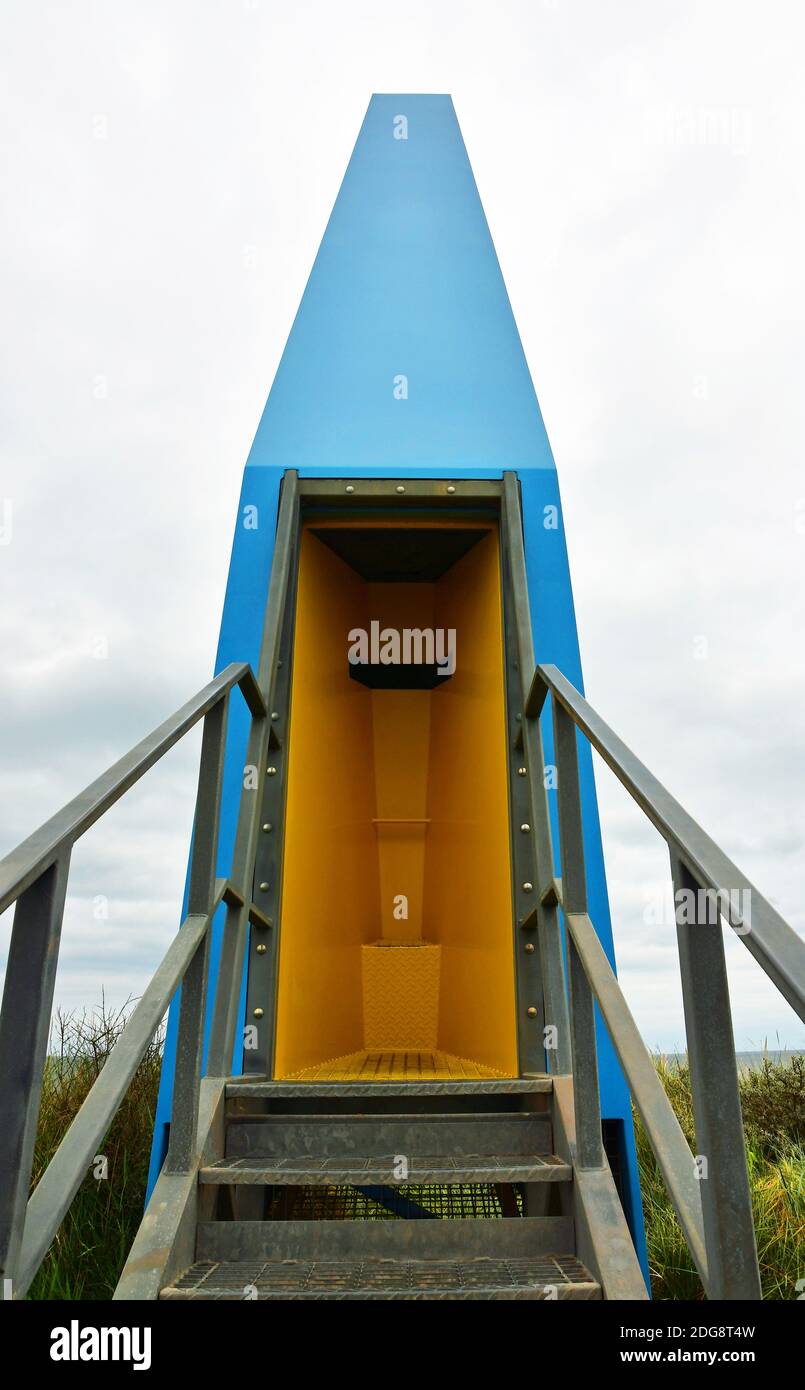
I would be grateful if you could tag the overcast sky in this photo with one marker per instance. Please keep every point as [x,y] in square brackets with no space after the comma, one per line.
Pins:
[167,173]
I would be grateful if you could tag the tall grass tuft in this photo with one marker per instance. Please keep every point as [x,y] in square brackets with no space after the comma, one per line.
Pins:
[773,1106]
[88,1253]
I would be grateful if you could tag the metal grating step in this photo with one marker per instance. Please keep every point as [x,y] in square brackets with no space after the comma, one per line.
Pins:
[400,1202]
[308,1169]
[536,1277]
[324,1090]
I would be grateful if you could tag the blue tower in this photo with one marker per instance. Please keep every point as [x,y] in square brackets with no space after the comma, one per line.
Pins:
[404,363]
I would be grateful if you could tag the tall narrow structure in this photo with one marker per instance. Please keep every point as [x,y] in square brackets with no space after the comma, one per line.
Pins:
[405,929]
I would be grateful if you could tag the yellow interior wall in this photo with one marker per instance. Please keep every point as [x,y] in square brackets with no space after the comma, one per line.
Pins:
[468,905]
[330,896]
[361,760]
[401,727]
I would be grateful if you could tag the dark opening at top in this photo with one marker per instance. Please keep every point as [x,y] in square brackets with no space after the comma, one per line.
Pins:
[404,554]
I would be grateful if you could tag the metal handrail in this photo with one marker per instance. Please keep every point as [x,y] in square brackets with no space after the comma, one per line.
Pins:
[709,1191]
[28,861]
[34,875]
[668,1143]
[767,935]
[70,1163]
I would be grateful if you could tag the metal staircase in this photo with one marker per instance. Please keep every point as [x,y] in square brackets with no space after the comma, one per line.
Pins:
[301,1161]
[415,1189]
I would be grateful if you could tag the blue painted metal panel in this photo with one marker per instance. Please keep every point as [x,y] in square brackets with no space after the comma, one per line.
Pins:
[407,283]
[239,640]
[555,640]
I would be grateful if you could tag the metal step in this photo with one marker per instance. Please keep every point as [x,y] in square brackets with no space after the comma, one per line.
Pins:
[537,1277]
[278,1136]
[425,1239]
[318,1090]
[356,1171]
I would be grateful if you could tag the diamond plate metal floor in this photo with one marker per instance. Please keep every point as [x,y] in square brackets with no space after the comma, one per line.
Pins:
[396,1066]
[540,1277]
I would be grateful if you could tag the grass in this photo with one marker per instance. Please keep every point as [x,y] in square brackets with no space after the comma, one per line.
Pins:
[773,1105]
[86,1257]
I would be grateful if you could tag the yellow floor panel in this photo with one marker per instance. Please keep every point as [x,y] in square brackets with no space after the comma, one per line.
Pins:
[396,1066]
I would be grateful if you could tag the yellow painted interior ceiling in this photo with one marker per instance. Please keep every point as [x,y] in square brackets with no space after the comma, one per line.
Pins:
[396,953]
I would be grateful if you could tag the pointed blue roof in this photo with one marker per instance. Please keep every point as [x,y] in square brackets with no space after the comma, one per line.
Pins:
[406,284]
